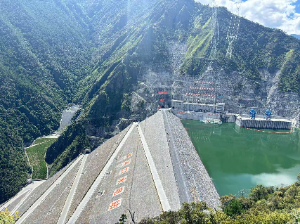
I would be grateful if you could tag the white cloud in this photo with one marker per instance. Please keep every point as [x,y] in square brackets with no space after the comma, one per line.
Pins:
[279,14]
[281,176]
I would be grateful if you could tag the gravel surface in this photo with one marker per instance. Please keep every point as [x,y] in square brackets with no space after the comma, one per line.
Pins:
[50,209]
[144,199]
[199,182]
[96,211]
[139,195]
[181,179]
[153,129]
[12,205]
[40,190]
[94,164]
[172,152]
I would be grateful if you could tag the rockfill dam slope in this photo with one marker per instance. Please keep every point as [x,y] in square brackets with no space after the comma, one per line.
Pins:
[150,167]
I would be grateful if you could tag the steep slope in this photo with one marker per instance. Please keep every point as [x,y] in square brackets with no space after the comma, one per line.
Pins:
[136,172]
[144,46]
[44,49]
[112,56]
[254,66]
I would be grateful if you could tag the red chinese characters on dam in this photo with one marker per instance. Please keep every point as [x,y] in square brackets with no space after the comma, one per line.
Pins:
[121,180]
[115,204]
[127,156]
[125,170]
[118,191]
[126,163]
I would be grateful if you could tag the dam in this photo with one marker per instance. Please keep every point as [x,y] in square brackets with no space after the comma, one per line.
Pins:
[148,168]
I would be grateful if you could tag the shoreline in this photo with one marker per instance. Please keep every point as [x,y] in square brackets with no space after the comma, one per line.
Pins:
[199,182]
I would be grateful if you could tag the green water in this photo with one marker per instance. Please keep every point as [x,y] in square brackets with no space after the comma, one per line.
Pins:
[238,158]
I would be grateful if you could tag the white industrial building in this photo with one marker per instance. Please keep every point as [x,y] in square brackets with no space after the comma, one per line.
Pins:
[197,107]
[196,99]
[197,111]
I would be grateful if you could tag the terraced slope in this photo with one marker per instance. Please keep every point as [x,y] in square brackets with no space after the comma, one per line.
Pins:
[134,172]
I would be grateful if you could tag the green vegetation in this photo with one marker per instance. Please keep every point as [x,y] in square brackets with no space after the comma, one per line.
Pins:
[67,147]
[44,50]
[264,205]
[122,220]
[36,155]
[13,166]
[91,53]
[41,140]
[256,48]
[5,218]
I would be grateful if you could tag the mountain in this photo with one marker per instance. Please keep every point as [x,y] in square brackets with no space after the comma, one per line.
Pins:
[177,38]
[44,50]
[295,35]
[111,57]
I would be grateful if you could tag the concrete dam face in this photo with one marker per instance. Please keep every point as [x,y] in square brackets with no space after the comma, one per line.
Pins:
[148,168]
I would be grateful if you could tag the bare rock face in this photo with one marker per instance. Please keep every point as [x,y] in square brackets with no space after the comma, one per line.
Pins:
[240,94]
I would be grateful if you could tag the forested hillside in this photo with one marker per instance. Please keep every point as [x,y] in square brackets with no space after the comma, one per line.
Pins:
[95,53]
[44,50]
[263,205]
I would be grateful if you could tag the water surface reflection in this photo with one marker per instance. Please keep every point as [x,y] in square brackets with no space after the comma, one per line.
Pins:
[238,158]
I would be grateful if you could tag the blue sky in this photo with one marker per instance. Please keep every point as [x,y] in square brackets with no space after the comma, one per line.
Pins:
[281,14]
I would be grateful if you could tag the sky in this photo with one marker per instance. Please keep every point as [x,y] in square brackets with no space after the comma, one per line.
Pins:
[281,14]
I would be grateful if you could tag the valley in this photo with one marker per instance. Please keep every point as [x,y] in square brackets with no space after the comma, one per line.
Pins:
[121,61]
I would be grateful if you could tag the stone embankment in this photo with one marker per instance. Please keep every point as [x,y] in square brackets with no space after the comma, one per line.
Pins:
[148,168]
[199,183]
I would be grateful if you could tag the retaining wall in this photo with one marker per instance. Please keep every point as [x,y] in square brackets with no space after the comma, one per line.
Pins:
[264,124]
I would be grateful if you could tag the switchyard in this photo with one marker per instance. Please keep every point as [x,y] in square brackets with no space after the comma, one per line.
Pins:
[196,98]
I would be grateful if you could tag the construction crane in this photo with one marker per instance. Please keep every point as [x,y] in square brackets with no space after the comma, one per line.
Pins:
[252,114]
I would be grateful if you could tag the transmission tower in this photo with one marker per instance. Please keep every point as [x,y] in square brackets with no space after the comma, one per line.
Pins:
[233,30]
[215,30]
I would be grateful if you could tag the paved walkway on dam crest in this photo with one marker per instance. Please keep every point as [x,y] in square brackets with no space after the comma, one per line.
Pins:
[141,172]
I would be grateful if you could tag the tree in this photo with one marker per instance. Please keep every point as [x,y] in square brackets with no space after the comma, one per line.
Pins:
[122,219]
[233,208]
[298,179]
[260,192]
[5,218]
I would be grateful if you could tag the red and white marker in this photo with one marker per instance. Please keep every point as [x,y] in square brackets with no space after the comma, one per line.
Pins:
[118,191]
[126,163]
[125,170]
[121,180]
[115,204]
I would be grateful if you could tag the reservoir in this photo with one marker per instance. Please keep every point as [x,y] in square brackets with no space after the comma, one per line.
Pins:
[238,159]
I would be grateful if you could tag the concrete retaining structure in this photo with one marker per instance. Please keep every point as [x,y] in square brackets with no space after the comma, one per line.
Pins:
[260,123]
